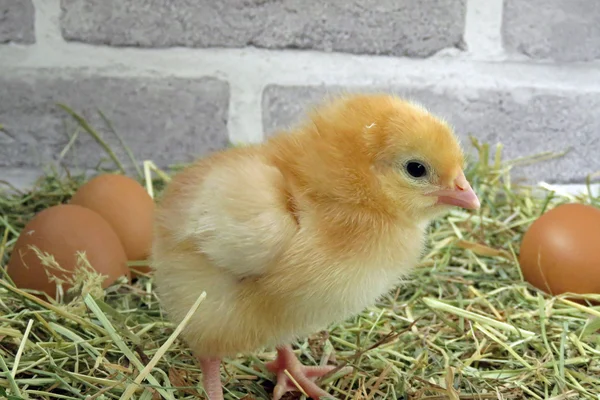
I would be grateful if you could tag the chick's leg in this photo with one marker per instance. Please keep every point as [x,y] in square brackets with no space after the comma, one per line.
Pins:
[211,377]
[304,376]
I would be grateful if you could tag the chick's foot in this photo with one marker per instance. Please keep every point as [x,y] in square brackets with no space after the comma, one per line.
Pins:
[302,375]
[211,377]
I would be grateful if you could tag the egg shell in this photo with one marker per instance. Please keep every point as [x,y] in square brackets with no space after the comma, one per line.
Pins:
[62,231]
[127,207]
[560,252]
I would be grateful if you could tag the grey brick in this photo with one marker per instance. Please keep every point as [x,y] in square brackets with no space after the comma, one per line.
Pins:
[17,21]
[526,122]
[167,120]
[394,27]
[557,30]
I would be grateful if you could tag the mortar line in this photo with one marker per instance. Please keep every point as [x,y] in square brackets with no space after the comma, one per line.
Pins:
[47,23]
[483,29]
[299,67]
[244,123]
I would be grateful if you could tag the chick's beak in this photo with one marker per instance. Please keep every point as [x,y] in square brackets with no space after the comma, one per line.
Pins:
[462,195]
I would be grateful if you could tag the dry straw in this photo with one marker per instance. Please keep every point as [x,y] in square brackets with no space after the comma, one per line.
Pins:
[464,325]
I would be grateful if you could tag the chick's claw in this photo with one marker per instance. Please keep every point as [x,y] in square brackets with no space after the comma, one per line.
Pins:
[301,375]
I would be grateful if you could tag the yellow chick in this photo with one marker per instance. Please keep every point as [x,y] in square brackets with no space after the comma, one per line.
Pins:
[308,228]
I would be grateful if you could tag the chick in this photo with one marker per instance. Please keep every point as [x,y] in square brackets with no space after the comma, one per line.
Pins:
[303,230]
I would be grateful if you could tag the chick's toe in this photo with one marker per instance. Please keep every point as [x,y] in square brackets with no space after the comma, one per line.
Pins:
[293,376]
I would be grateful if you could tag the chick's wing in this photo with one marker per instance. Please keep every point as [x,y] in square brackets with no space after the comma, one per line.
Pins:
[239,217]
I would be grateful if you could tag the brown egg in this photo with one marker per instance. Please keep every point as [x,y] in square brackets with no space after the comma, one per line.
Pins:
[561,250]
[62,231]
[127,207]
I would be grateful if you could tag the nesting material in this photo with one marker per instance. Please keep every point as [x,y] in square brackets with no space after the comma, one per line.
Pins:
[465,325]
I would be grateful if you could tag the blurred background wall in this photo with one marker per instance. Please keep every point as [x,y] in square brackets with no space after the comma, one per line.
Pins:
[179,78]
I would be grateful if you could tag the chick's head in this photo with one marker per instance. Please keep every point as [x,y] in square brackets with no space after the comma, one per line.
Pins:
[404,155]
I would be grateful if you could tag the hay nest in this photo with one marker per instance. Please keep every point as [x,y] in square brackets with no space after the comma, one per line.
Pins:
[464,326]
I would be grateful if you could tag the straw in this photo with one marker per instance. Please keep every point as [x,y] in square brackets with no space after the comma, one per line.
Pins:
[463,325]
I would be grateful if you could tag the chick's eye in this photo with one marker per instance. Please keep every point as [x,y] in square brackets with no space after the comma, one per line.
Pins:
[416,169]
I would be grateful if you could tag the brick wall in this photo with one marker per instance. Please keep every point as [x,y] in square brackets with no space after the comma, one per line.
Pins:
[180,78]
